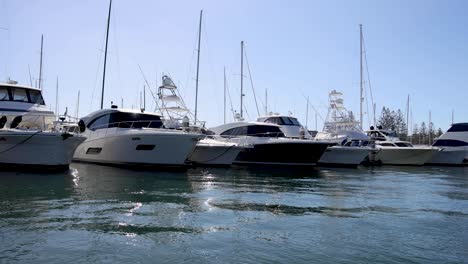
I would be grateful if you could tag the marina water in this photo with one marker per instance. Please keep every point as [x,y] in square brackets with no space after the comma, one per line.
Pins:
[104,214]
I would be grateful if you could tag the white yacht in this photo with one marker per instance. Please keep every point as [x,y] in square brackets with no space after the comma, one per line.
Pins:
[266,144]
[454,145]
[27,139]
[393,151]
[208,151]
[352,147]
[128,137]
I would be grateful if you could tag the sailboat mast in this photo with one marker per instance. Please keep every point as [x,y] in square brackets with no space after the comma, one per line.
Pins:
[40,63]
[266,101]
[198,65]
[56,99]
[307,112]
[77,106]
[361,77]
[407,115]
[242,79]
[224,95]
[105,54]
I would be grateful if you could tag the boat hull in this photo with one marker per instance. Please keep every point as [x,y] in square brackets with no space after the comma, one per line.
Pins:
[339,156]
[27,150]
[450,156]
[403,156]
[222,155]
[133,148]
[282,153]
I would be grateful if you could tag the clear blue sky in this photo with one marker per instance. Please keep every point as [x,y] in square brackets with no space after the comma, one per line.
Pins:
[295,49]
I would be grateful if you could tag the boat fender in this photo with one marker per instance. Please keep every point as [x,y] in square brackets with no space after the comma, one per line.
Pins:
[3,121]
[82,126]
[66,135]
[16,121]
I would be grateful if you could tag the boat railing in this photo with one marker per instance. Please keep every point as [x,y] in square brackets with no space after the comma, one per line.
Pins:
[266,134]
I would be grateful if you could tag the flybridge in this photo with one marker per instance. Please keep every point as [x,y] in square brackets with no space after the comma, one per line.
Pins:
[12,92]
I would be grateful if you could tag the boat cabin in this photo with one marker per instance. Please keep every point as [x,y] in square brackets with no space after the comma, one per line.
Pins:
[109,118]
[252,129]
[14,93]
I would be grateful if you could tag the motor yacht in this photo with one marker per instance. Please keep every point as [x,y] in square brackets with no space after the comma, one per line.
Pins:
[27,138]
[336,155]
[393,151]
[454,146]
[266,144]
[133,138]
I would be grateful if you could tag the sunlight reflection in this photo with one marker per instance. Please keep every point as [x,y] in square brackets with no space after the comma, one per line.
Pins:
[136,206]
[75,174]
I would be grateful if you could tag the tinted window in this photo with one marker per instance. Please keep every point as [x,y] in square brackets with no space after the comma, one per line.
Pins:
[237,131]
[294,121]
[36,97]
[387,144]
[134,120]
[450,143]
[459,128]
[264,131]
[286,121]
[4,96]
[274,120]
[19,95]
[99,123]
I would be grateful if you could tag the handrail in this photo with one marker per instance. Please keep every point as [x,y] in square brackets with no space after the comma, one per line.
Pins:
[278,135]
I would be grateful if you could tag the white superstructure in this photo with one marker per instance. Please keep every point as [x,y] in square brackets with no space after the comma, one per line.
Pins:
[454,145]
[26,137]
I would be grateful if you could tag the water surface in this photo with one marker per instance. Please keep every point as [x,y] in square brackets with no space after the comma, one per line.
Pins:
[103,214]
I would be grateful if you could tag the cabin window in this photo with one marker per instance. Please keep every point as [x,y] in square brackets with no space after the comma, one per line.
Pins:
[19,95]
[459,128]
[100,122]
[4,95]
[134,120]
[237,131]
[287,121]
[450,143]
[387,144]
[36,97]
[264,131]
[274,120]
[294,121]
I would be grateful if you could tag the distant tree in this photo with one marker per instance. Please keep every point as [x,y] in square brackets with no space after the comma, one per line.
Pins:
[439,132]
[423,133]
[400,125]
[415,134]
[386,120]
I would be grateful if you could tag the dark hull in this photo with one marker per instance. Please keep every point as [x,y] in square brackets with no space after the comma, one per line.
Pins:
[282,154]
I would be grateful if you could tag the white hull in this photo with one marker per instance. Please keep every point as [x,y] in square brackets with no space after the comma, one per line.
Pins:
[344,156]
[451,156]
[35,148]
[213,152]
[122,146]
[404,155]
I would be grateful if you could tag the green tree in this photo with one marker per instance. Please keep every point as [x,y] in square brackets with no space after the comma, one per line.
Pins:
[423,134]
[386,119]
[439,132]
